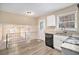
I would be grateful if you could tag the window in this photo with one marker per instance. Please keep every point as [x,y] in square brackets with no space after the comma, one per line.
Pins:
[67,21]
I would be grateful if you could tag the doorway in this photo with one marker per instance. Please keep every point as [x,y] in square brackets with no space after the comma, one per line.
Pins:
[42,29]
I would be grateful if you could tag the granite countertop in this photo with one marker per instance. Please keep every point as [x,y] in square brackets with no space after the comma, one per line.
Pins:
[71,47]
[68,34]
[63,34]
[75,34]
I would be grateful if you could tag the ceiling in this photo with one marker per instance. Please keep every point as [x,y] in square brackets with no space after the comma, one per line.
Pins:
[39,9]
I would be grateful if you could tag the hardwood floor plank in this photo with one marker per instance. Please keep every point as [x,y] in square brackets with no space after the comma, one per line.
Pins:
[35,47]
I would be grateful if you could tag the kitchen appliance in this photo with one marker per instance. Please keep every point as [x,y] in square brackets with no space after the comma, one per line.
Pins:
[78,5]
[71,46]
[49,40]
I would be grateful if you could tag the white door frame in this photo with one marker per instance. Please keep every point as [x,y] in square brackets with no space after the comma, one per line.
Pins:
[42,31]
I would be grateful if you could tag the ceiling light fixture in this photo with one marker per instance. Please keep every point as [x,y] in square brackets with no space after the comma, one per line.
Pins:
[29,13]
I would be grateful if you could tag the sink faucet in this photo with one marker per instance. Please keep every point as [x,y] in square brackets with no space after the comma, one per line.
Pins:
[65,31]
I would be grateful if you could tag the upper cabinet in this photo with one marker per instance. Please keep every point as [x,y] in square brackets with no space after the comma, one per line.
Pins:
[67,21]
[51,20]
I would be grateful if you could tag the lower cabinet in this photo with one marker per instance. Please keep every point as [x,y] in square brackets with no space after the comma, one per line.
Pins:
[58,40]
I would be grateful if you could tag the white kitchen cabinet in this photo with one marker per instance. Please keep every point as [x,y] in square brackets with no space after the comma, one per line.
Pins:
[58,40]
[51,20]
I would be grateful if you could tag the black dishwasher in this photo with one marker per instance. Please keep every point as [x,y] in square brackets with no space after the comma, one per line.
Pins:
[49,40]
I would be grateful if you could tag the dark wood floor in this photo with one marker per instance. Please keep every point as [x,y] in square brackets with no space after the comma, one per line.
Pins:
[35,47]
